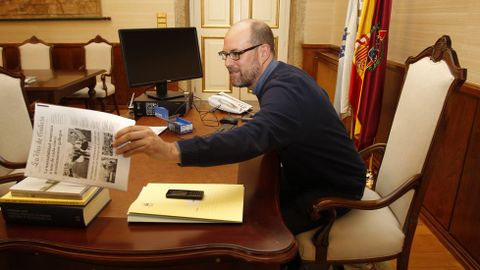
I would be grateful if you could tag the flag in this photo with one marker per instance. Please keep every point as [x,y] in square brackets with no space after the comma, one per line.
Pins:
[341,104]
[368,70]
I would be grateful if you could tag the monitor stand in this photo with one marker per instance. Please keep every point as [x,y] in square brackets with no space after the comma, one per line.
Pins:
[161,92]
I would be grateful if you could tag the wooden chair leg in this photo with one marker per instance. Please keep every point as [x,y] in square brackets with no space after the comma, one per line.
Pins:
[402,262]
[115,103]
[315,266]
[102,104]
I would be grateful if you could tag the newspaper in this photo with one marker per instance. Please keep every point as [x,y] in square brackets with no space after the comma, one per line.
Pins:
[75,145]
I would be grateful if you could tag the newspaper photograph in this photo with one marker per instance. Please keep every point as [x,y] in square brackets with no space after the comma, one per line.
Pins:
[75,145]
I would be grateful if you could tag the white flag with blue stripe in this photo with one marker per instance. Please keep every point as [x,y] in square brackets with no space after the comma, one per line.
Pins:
[344,70]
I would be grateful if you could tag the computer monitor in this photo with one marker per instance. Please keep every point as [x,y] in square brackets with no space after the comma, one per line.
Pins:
[156,56]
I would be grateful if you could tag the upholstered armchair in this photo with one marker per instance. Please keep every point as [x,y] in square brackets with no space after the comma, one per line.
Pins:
[16,128]
[98,55]
[35,54]
[381,226]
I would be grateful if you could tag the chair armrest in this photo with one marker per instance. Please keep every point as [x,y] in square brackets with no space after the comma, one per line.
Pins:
[103,78]
[17,177]
[330,203]
[105,75]
[373,156]
[325,208]
[378,148]
[12,165]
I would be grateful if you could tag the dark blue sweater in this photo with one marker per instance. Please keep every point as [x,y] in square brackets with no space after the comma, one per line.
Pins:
[297,120]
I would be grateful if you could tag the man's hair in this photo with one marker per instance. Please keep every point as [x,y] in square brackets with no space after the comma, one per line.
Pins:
[262,34]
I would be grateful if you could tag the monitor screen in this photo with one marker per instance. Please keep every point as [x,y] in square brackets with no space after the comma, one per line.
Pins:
[156,56]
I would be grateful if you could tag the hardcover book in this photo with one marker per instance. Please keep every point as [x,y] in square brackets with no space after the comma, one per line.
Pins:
[56,214]
[44,188]
[9,198]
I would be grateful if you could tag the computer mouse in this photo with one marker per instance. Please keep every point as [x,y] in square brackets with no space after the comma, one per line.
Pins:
[229,120]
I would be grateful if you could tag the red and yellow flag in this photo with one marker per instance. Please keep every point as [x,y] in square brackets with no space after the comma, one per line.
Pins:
[368,70]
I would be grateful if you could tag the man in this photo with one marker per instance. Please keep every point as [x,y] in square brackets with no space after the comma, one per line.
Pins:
[295,119]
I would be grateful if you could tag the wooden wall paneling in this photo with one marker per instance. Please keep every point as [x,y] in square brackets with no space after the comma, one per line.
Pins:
[466,217]
[445,164]
[392,88]
[12,56]
[326,66]
[68,56]
[119,77]
[308,59]
[310,54]
[448,172]
[321,62]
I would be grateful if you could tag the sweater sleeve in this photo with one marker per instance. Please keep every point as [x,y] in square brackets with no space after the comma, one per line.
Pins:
[274,126]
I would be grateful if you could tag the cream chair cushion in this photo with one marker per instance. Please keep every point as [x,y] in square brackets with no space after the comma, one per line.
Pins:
[358,234]
[99,91]
[35,56]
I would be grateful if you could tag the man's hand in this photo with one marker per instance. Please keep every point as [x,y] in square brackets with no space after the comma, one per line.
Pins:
[141,139]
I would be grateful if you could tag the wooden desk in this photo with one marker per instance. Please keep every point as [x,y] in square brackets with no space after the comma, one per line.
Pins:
[109,242]
[53,85]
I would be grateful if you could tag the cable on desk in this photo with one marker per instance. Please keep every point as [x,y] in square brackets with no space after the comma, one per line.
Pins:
[205,113]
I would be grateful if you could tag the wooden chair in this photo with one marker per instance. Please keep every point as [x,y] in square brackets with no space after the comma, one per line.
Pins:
[2,64]
[16,128]
[381,226]
[35,54]
[98,55]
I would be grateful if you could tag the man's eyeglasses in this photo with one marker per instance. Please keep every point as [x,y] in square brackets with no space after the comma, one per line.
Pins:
[235,55]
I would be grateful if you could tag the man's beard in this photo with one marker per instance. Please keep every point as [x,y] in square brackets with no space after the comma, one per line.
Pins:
[247,77]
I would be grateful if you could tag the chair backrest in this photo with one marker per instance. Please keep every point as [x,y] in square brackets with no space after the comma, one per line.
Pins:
[98,54]
[15,123]
[35,54]
[429,79]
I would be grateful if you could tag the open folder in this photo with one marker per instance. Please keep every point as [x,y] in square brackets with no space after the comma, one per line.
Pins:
[221,203]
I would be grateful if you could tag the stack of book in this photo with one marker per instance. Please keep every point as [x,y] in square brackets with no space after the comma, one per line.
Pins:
[46,202]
